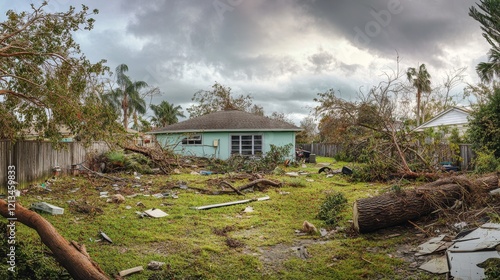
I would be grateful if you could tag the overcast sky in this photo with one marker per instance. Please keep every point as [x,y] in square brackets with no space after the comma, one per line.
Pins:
[281,52]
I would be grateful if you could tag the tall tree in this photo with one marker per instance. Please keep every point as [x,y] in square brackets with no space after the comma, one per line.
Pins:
[46,83]
[420,80]
[166,114]
[127,96]
[484,124]
[218,99]
[488,17]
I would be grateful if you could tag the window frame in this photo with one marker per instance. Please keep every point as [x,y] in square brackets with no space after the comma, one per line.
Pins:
[246,144]
[191,140]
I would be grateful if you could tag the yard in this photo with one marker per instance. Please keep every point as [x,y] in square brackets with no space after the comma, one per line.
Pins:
[225,242]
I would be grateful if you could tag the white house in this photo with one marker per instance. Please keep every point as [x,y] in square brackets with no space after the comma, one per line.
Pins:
[453,117]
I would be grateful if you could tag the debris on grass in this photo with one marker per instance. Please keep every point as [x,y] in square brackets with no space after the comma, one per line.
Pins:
[230,203]
[309,228]
[117,198]
[155,265]
[130,271]
[155,213]
[49,208]
[105,236]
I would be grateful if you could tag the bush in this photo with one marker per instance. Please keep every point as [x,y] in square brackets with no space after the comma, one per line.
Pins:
[331,208]
[485,161]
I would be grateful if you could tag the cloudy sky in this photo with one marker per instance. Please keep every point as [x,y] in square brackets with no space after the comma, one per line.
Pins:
[281,52]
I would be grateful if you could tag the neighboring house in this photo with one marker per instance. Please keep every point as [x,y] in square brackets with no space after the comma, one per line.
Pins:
[224,133]
[455,117]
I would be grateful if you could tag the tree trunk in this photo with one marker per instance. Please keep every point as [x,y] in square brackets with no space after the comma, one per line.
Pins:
[70,255]
[394,208]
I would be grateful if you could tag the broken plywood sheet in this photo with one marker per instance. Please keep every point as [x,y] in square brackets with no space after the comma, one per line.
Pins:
[472,249]
[155,213]
[433,245]
[463,265]
[485,237]
[436,266]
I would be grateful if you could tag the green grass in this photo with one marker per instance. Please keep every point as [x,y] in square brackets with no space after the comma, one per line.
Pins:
[187,242]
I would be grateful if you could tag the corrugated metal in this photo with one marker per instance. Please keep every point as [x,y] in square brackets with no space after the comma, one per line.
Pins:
[35,160]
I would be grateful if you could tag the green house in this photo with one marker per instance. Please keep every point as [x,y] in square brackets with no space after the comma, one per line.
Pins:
[223,133]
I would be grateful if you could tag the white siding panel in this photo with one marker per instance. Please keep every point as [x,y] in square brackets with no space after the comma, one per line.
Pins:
[453,117]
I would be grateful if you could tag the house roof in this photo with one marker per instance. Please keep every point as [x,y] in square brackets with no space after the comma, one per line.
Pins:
[453,116]
[231,120]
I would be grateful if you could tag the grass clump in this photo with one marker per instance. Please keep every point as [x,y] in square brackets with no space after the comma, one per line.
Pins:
[331,208]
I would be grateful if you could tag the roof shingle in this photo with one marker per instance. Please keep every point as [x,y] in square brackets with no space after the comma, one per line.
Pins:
[232,120]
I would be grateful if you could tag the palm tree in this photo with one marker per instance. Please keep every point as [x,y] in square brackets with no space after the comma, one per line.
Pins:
[421,81]
[127,98]
[165,114]
[490,25]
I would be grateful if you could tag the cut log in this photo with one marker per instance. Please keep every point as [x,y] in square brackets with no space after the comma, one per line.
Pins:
[394,208]
[71,256]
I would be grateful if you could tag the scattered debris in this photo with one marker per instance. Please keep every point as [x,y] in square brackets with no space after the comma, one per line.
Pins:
[248,209]
[292,174]
[128,207]
[84,207]
[141,214]
[131,270]
[433,245]
[105,236]
[436,266]
[205,172]
[140,204]
[44,206]
[155,265]
[230,203]
[117,198]
[155,213]
[472,249]
[323,232]
[495,192]
[308,227]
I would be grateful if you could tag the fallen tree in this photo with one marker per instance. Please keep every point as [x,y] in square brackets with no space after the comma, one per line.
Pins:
[70,255]
[394,208]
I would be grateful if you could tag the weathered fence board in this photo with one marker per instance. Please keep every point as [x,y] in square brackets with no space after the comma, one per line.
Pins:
[34,160]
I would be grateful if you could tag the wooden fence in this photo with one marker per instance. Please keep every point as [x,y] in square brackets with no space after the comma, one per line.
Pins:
[34,160]
[443,154]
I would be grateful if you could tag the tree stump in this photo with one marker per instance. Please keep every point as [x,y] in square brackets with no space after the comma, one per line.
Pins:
[394,208]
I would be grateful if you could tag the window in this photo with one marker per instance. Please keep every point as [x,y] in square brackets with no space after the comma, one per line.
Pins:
[192,140]
[246,144]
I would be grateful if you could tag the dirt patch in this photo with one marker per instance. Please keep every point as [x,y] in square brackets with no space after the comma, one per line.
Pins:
[274,257]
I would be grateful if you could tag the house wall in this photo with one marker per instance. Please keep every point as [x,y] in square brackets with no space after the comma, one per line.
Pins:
[453,118]
[223,150]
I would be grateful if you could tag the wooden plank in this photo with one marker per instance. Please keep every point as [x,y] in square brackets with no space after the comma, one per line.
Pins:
[131,270]
[230,203]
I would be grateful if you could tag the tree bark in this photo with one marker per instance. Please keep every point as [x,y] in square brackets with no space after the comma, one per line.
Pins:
[71,256]
[394,208]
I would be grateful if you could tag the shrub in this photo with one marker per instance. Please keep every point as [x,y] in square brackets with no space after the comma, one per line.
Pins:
[331,208]
[485,161]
